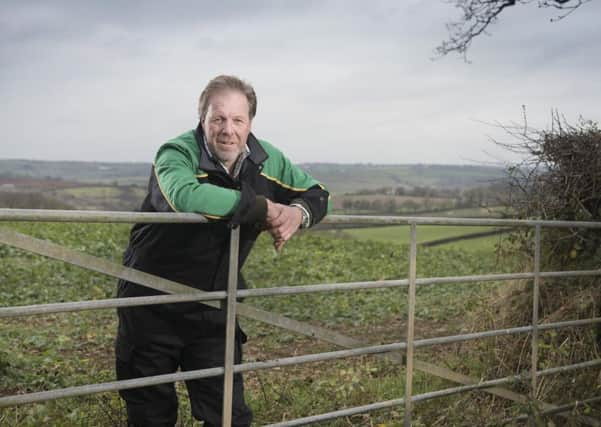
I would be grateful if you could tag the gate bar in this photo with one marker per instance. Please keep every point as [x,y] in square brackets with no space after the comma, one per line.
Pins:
[410,324]
[68,307]
[51,215]
[535,307]
[42,396]
[377,349]
[432,395]
[560,409]
[51,308]
[230,328]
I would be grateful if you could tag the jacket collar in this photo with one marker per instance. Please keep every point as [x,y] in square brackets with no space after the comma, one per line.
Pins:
[257,154]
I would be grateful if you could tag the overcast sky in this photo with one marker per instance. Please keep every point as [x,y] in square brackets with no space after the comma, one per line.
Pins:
[337,81]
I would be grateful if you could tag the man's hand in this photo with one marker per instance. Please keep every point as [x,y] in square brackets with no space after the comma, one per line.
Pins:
[282,222]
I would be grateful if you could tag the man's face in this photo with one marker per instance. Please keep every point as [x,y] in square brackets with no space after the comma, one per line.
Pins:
[227,125]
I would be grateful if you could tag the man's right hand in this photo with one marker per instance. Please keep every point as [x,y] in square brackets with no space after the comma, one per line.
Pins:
[282,222]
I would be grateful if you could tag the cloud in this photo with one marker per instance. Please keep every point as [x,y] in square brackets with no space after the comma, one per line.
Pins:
[344,81]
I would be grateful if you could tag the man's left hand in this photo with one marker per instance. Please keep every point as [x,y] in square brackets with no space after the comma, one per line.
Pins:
[283,226]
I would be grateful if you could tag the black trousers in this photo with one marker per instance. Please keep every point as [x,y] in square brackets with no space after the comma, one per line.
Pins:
[155,340]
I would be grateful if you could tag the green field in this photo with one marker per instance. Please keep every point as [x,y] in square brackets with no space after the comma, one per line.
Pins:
[339,178]
[427,233]
[348,178]
[101,197]
[92,191]
[484,212]
[48,352]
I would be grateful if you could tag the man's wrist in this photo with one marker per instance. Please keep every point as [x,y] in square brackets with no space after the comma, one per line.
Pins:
[305,215]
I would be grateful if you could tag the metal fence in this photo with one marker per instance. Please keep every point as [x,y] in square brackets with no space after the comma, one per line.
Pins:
[227,300]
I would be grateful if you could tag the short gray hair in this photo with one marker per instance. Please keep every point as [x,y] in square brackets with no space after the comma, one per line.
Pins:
[225,82]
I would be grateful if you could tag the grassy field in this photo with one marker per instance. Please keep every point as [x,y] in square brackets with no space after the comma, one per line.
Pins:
[47,352]
[345,178]
[427,233]
[484,212]
[399,201]
[101,197]
[339,178]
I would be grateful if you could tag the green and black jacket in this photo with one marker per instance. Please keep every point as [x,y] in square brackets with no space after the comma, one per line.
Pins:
[185,178]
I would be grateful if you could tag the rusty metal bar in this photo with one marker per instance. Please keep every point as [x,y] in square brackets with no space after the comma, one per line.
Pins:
[405,220]
[116,270]
[506,380]
[66,307]
[276,291]
[93,263]
[230,328]
[109,268]
[340,413]
[320,357]
[378,349]
[438,221]
[190,375]
[569,323]
[410,324]
[83,390]
[535,308]
[566,368]
[145,217]
[51,215]
[431,395]
[559,410]
[499,332]
[504,277]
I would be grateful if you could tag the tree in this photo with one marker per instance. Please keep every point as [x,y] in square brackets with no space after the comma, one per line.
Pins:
[560,179]
[479,14]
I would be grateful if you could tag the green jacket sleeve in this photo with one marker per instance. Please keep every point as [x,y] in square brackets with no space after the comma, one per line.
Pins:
[294,185]
[177,175]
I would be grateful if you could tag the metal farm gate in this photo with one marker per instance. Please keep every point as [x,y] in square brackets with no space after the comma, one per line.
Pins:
[399,351]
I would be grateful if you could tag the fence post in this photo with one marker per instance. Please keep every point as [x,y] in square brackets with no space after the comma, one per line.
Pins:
[230,328]
[410,323]
[535,298]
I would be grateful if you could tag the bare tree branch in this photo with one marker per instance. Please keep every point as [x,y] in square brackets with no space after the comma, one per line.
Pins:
[558,178]
[477,15]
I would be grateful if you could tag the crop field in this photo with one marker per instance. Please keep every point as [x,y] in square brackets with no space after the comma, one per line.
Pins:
[483,212]
[345,178]
[383,199]
[428,233]
[99,197]
[47,352]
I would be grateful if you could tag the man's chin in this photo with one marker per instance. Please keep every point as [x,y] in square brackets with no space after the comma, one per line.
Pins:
[228,157]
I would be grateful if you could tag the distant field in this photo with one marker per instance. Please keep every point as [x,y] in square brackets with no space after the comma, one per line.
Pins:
[37,184]
[96,192]
[338,178]
[101,197]
[383,199]
[481,244]
[345,178]
[426,233]
[129,173]
[491,211]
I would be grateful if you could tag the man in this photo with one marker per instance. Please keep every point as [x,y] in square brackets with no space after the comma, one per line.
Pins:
[223,172]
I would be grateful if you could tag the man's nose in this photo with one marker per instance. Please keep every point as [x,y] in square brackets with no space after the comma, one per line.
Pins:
[227,127]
